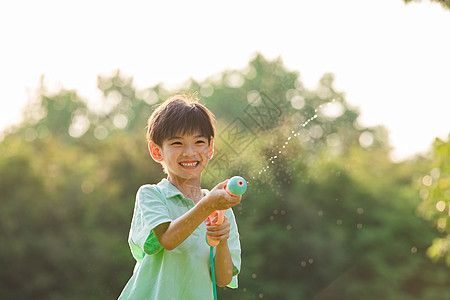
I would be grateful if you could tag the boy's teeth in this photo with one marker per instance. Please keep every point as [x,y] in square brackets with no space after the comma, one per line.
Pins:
[189,164]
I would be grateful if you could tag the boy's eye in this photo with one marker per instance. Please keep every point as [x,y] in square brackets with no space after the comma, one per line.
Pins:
[200,142]
[176,143]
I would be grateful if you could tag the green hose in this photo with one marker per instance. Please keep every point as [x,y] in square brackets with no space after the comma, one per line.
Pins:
[213,274]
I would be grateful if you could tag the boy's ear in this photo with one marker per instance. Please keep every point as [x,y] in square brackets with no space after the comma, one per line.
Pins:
[211,149]
[155,151]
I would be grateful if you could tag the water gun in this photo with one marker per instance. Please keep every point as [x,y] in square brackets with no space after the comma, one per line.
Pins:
[236,186]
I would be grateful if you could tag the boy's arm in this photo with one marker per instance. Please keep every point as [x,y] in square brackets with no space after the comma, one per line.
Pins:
[223,265]
[172,234]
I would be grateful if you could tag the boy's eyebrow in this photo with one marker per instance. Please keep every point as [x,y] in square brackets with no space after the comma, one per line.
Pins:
[179,137]
[201,136]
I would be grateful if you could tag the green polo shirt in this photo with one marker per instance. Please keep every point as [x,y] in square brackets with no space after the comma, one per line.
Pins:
[184,272]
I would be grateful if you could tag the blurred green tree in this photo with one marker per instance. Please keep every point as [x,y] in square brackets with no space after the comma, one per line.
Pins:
[435,193]
[327,215]
[443,3]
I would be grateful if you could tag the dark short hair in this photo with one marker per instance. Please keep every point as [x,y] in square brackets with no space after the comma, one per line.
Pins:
[180,114]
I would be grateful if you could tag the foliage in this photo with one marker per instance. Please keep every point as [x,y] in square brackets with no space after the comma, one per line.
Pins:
[443,3]
[327,214]
[435,194]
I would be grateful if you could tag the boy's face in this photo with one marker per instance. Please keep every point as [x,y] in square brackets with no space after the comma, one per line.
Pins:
[186,156]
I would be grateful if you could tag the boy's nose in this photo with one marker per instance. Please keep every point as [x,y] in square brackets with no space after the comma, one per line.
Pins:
[189,150]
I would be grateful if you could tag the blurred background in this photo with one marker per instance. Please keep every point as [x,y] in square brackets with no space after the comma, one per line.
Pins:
[342,134]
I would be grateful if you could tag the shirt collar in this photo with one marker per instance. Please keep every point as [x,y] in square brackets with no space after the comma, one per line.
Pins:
[169,189]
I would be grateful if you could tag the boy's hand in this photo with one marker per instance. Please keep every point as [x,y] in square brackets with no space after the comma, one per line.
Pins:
[219,199]
[218,232]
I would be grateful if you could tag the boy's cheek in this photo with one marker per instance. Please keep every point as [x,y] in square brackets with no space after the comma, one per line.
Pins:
[205,152]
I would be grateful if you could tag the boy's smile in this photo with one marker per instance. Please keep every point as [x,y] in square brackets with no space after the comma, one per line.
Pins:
[189,164]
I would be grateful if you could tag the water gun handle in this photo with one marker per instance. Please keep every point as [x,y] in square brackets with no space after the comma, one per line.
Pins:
[220,217]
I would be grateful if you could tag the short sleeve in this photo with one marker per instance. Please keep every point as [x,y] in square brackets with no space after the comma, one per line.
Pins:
[150,211]
[235,248]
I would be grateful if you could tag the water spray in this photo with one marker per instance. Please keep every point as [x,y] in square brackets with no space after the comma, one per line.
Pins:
[293,134]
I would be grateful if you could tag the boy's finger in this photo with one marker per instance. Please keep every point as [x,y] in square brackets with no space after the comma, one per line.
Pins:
[217,234]
[222,184]
[220,236]
[218,229]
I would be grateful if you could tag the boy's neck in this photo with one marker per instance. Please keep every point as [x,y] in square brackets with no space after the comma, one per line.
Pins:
[190,188]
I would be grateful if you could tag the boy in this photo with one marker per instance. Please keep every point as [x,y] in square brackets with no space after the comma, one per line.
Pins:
[168,233]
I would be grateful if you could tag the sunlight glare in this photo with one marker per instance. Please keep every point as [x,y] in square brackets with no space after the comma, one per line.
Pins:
[80,124]
[235,80]
[366,139]
[254,98]
[332,110]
